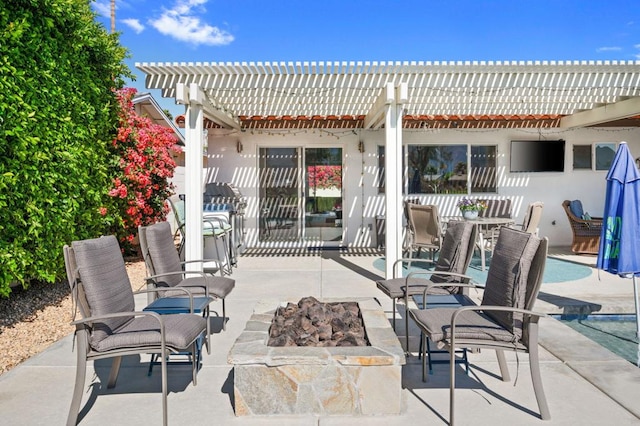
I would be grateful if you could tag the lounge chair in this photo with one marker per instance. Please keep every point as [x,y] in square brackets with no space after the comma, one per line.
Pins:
[455,256]
[110,327]
[166,270]
[504,320]
[586,229]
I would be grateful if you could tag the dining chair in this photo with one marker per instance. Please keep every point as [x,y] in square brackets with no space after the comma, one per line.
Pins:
[453,261]
[425,229]
[505,319]
[166,270]
[110,326]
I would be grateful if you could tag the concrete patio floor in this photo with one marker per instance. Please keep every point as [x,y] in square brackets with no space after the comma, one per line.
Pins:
[584,383]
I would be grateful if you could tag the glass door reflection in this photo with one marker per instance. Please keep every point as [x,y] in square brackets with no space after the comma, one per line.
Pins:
[323,194]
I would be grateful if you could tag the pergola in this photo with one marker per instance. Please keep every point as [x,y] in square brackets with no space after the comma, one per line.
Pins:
[392,96]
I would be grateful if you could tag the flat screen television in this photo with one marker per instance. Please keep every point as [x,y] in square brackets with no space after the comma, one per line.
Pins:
[537,156]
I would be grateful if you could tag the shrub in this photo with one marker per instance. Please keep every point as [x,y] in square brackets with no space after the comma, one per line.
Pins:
[141,184]
[58,115]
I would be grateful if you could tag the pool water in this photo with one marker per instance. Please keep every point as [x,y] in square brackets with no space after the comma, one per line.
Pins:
[615,332]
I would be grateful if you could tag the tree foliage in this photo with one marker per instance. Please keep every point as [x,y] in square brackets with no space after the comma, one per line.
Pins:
[58,73]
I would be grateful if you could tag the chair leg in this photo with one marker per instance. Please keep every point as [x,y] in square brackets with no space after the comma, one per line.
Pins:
[423,351]
[113,374]
[452,383]
[81,372]
[502,362]
[224,317]
[163,368]
[394,313]
[406,324]
[534,366]
[208,336]
[195,361]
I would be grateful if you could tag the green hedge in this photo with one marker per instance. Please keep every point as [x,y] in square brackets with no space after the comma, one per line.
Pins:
[58,72]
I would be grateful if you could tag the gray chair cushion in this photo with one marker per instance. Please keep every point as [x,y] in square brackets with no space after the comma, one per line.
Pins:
[165,259]
[163,252]
[394,288]
[507,278]
[452,258]
[218,286]
[453,254]
[469,325]
[180,332]
[106,284]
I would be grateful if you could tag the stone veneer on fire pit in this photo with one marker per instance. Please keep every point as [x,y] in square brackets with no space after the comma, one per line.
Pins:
[355,380]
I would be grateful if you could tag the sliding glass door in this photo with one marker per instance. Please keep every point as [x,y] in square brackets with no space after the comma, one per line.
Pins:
[279,192]
[300,195]
[323,194]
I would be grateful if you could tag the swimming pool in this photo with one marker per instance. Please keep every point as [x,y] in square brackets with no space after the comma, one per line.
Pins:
[615,332]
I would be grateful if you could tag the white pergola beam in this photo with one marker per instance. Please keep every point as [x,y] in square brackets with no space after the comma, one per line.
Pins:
[375,118]
[603,114]
[216,112]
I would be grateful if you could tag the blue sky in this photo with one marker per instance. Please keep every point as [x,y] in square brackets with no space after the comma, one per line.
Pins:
[373,30]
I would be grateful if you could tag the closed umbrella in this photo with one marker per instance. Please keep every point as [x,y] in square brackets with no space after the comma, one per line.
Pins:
[619,251]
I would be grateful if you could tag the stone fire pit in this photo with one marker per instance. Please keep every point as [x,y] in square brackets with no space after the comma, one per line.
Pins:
[356,380]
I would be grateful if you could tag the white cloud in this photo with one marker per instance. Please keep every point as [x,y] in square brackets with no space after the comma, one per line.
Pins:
[182,24]
[134,24]
[609,49]
[102,7]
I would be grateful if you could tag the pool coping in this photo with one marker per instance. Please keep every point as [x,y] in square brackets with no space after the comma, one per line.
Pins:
[610,373]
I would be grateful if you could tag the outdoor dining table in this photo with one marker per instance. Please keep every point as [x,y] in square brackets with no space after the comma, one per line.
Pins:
[485,225]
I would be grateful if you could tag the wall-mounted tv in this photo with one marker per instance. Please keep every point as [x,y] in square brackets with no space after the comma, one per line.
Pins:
[537,156]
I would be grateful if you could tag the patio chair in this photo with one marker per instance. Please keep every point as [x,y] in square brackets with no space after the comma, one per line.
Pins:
[425,230]
[454,258]
[406,228]
[532,217]
[504,320]
[215,227]
[586,229]
[529,224]
[167,270]
[495,208]
[110,327]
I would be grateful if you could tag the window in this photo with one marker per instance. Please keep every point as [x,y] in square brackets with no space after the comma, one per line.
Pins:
[582,157]
[442,169]
[437,169]
[604,155]
[483,168]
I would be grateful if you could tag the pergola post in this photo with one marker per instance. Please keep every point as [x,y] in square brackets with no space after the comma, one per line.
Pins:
[194,119]
[393,167]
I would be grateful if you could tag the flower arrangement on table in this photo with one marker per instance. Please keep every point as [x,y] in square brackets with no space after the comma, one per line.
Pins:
[470,208]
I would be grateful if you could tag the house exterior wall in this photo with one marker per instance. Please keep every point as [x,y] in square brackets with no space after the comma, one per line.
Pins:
[362,202]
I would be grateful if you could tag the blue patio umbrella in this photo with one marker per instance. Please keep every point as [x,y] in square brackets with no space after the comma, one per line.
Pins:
[619,251]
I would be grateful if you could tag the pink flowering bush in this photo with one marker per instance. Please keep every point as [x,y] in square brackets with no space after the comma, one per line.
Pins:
[141,183]
[325,177]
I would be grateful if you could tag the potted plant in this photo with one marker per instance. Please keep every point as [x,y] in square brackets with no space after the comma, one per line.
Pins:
[470,208]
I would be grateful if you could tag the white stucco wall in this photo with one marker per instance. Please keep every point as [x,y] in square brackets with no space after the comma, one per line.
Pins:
[363,203]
